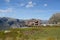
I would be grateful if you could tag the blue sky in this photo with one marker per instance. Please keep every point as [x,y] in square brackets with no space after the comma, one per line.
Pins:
[27,9]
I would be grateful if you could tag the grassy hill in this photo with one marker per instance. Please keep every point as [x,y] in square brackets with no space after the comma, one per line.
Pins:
[33,33]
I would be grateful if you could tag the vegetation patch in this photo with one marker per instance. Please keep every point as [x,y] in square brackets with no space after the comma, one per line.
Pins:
[32,33]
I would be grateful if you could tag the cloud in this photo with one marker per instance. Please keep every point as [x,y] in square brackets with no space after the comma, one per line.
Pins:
[22,4]
[30,4]
[6,10]
[45,5]
[7,1]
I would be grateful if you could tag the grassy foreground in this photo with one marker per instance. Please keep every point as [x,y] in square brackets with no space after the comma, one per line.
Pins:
[33,33]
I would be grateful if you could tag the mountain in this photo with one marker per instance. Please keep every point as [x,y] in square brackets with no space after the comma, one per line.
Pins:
[7,23]
[44,21]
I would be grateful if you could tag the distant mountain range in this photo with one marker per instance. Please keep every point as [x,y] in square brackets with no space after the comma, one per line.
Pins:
[44,21]
[7,23]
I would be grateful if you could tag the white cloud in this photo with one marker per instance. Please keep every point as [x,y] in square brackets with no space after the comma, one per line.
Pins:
[6,10]
[7,1]
[22,4]
[30,4]
[45,5]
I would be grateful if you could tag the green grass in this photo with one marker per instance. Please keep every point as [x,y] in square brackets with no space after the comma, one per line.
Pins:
[32,33]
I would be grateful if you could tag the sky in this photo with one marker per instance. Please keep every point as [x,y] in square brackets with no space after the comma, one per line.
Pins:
[27,9]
